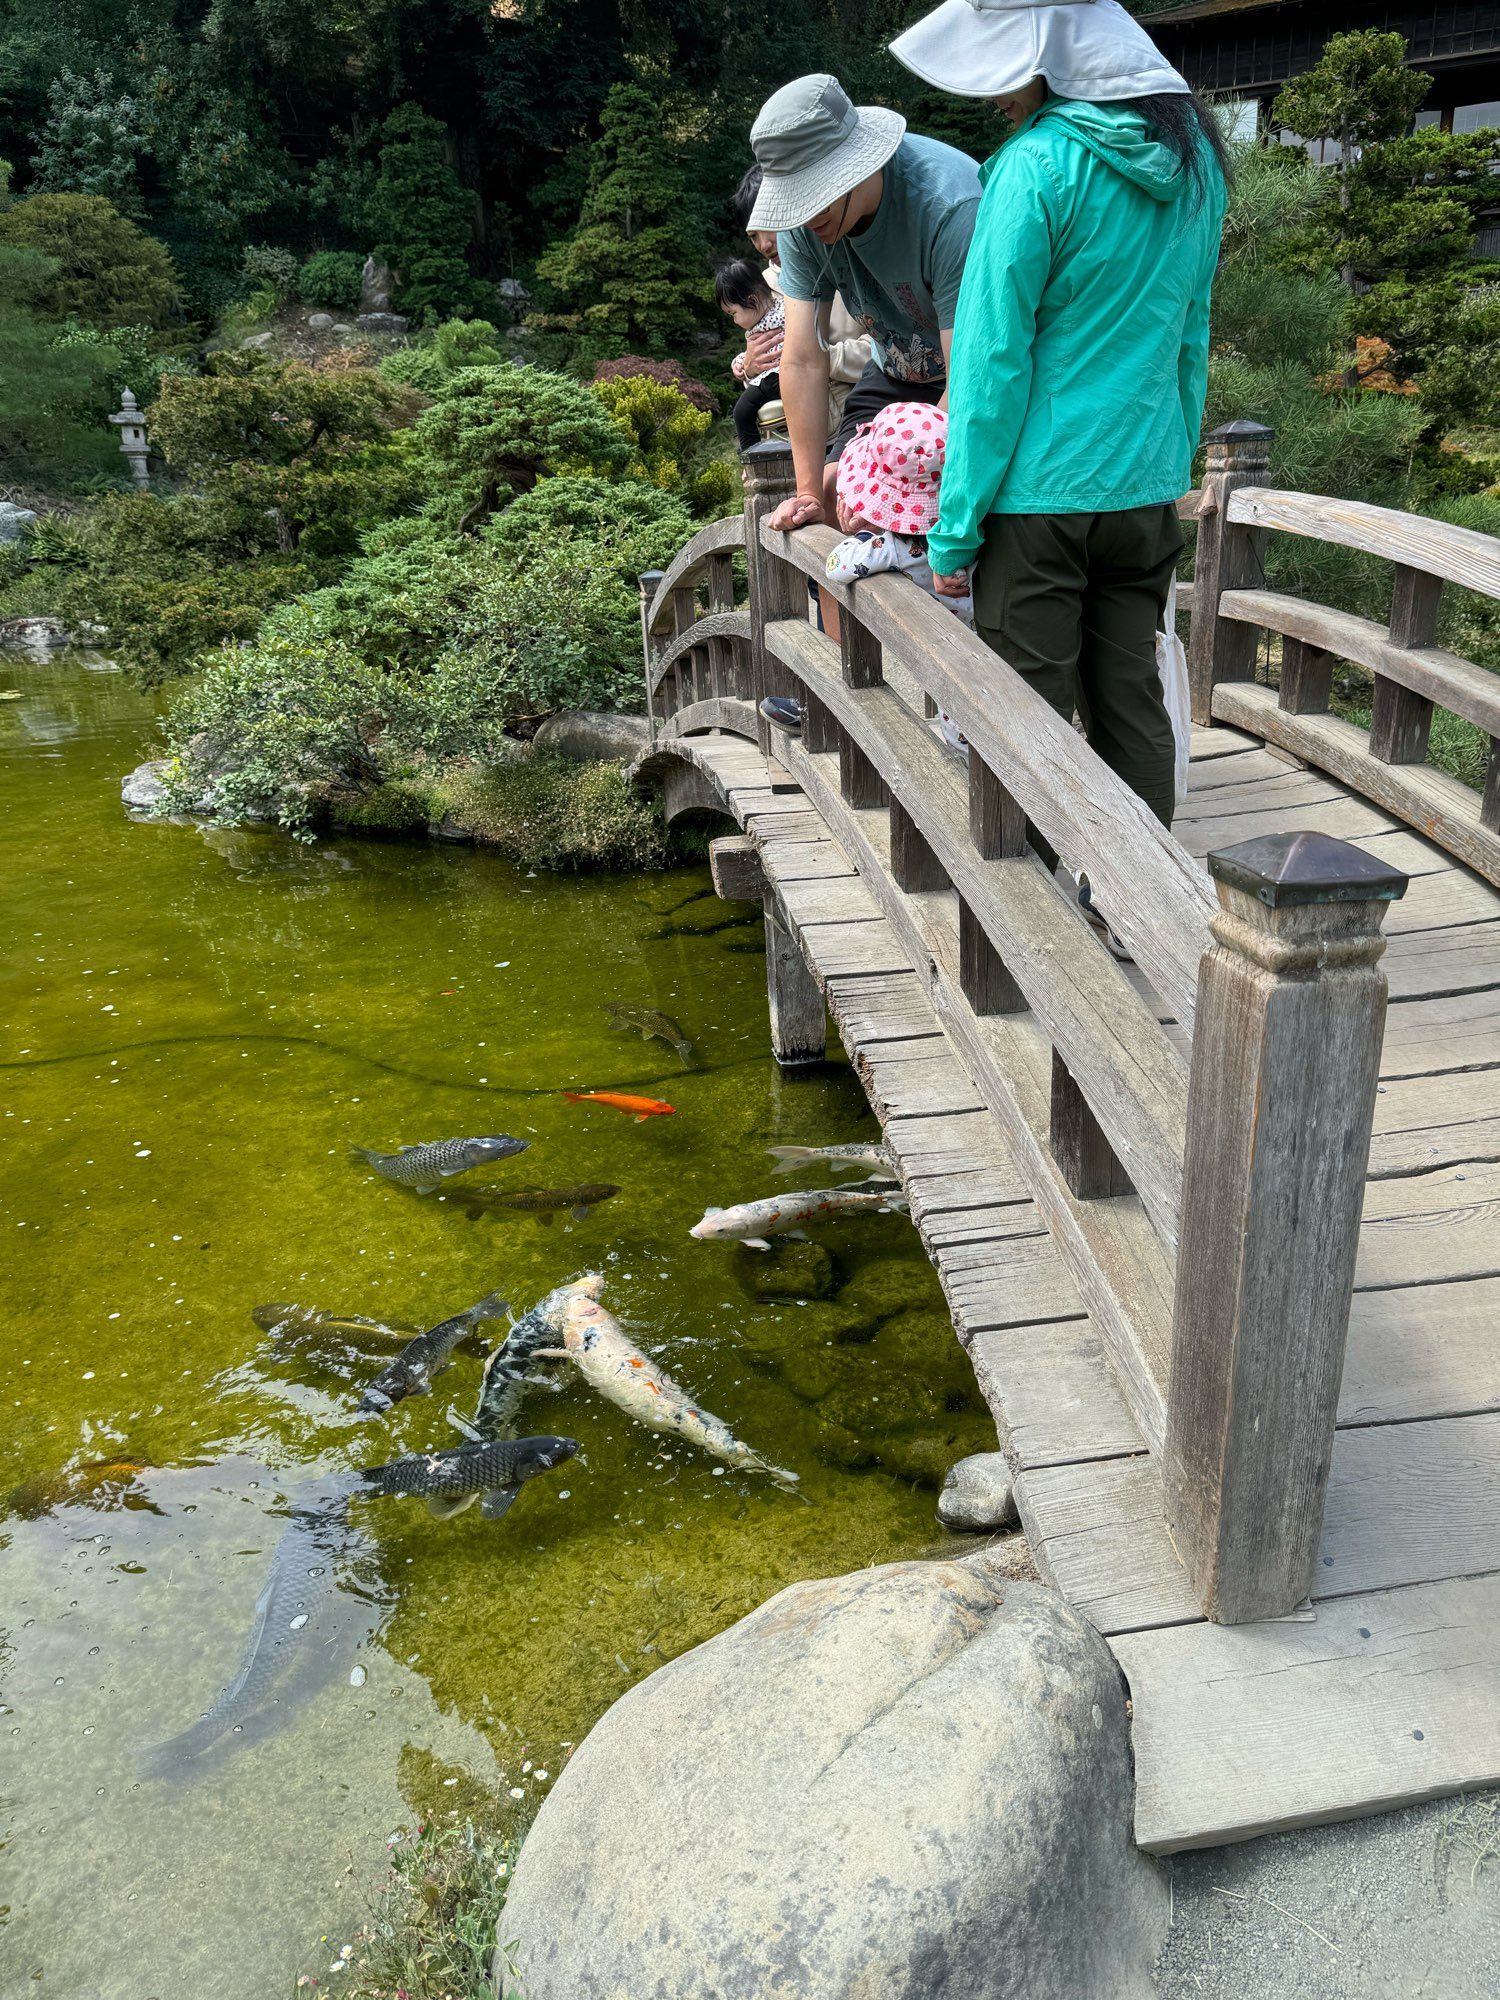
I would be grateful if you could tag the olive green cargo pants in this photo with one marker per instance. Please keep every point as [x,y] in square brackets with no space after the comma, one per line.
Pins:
[1074,602]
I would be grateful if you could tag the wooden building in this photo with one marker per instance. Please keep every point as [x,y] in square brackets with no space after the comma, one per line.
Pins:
[1247,49]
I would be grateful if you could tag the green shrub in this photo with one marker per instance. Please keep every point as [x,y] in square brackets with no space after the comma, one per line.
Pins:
[265,268]
[632,526]
[106,271]
[399,806]
[717,490]
[544,812]
[660,422]
[428,365]
[493,432]
[332,278]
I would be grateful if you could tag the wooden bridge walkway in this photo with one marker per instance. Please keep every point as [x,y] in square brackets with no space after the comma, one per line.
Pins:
[1155,1293]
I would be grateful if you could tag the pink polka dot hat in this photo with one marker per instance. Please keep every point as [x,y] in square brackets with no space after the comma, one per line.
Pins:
[890,469]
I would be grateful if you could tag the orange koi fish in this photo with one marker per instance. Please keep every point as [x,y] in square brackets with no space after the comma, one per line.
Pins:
[643,1107]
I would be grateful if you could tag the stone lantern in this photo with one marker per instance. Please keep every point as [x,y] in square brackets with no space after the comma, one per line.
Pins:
[133,438]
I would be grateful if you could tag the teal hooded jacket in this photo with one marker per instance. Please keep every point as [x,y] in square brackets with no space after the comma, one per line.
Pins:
[1080,346]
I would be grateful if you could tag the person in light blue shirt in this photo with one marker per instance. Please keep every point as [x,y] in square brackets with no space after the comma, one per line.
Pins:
[881,218]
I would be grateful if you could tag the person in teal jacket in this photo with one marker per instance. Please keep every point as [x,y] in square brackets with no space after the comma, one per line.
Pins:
[1080,357]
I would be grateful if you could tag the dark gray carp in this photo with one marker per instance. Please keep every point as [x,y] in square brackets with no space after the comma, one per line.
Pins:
[648,1024]
[411,1373]
[304,1617]
[511,1369]
[282,1320]
[426,1167]
[542,1203]
[449,1481]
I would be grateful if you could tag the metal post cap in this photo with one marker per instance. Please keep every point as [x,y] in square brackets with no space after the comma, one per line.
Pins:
[1282,869]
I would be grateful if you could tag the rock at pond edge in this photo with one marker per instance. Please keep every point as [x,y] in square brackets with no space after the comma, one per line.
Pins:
[978,1495]
[912,1781]
[592,736]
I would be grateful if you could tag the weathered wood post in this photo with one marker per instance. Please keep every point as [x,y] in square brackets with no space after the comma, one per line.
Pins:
[799,1019]
[776,589]
[649,580]
[1228,557]
[1286,1051]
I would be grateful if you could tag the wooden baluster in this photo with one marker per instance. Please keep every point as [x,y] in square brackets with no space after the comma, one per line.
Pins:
[987,985]
[799,1018]
[1306,678]
[859,781]
[859,654]
[721,583]
[914,866]
[649,580]
[1229,557]
[776,589]
[1085,1156]
[1489,805]
[818,730]
[1286,1051]
[1401,721]
[997,825]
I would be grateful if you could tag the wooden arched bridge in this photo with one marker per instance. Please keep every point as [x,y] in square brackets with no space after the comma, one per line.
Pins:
[1219,1228]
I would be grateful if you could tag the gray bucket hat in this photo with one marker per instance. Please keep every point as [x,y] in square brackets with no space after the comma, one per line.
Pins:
[812,146]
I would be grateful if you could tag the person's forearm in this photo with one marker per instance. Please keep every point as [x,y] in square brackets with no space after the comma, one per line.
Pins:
[804,395]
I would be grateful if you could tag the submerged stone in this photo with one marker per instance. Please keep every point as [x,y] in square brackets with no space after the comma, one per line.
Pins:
[788,1270]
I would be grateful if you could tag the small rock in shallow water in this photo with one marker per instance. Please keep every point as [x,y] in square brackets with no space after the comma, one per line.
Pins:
[978,1496]
[787,1271]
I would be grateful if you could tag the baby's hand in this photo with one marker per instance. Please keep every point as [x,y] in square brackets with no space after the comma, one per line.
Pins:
[848,519]
[737,367]
[956,585]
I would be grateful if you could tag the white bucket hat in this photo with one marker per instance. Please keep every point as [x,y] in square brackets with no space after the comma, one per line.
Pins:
[813,145]
[1091,49]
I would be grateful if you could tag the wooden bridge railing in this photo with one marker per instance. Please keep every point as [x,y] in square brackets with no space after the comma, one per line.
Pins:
[1207,1203]
[1413,675]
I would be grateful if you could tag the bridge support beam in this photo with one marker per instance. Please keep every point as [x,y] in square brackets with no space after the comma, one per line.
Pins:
[1281,1097]
[799,1018]
[1229,557]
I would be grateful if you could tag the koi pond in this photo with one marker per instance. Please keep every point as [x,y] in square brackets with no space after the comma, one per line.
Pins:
[199,1024]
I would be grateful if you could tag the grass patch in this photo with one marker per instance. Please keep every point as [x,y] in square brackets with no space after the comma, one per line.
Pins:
[399,807]
[431,1931]
[544,812]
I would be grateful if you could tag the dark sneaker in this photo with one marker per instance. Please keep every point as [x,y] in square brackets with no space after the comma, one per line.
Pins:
[783,713]
[1114,945]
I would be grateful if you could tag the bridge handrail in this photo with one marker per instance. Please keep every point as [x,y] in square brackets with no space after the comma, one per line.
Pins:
[1157,898]
[1413,676]
[712,625]
[719,538]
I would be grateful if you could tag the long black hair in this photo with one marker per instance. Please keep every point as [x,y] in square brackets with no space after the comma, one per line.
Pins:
[1185,125]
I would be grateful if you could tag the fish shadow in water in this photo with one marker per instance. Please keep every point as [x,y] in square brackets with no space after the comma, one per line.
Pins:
[321,1599]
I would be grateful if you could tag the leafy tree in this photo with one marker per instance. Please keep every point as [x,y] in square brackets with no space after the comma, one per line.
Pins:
[106,271]
[266,268]
[1268,307]
[91,141]
[457,343]
[422,217]
[1358,93]
[660,422]
[285,454]
[494,432]
[633,271]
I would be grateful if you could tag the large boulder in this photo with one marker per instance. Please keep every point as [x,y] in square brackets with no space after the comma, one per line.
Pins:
[16,523]
[376,283]
[591,736]
[912,1783]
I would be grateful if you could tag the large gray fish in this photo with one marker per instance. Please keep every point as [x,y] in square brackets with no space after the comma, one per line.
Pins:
[281,1320]
[753,1223]
[411,1373]
[303,1617]
[869,1154]
[648,1024]
[427,1166]
[542,1203]
[610,1362]
[449,1481]
[510,1370]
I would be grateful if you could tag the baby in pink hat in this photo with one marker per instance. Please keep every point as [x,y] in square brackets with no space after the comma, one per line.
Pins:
[888,498]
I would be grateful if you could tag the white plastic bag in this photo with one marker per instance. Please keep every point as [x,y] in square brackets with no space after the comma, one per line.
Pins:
[1171,664]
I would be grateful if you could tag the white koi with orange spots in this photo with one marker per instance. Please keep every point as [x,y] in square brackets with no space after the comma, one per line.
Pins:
[610,1362]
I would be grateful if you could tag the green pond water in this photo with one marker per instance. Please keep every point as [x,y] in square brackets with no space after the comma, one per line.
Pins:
[197,1024]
